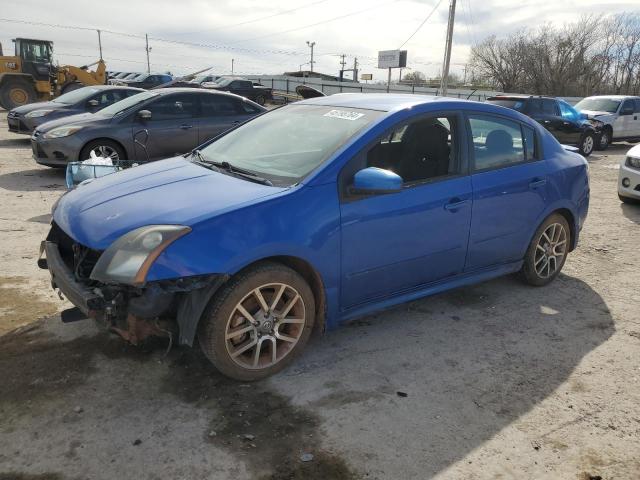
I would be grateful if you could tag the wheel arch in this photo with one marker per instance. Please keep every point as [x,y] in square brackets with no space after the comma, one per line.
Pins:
[118,142]
[571,220]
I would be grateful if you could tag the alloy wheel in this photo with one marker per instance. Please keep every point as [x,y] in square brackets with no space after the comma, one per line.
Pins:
[106,151]
[265,326]
[604,140]
[587,145]
[550,250]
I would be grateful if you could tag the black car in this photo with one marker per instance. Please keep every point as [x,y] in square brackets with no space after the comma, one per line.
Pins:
[170,120]
[26,118]
[243,87]
[561,119]
[148,80]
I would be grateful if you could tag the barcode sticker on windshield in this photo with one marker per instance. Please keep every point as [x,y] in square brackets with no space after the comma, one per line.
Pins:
[344,115]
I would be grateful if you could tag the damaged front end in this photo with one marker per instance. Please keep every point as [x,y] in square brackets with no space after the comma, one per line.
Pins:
[110,286]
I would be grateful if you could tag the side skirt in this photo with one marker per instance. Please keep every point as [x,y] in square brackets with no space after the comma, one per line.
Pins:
[460,280]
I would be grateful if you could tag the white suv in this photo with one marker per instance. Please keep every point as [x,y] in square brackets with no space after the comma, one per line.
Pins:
[620,115]
[629,177]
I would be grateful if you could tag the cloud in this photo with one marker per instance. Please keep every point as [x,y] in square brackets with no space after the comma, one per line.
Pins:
[278,44]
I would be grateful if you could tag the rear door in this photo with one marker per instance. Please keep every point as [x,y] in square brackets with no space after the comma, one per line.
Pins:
[173,127]
[219,114]
[509,181]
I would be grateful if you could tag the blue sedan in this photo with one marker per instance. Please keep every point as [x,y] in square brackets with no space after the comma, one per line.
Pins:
[312,215]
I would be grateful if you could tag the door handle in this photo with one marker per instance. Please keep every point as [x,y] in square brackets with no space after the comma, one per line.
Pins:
[538,182]
[455,204]
[186,127]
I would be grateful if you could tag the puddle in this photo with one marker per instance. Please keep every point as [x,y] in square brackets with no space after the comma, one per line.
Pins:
[18,307]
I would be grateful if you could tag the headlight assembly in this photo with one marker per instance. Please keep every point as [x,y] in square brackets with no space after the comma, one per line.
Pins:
[129,258]
[633,162]
[60,132]
[38,113]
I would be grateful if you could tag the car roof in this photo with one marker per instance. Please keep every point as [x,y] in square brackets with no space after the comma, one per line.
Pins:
[385,102]
[614,97]
[115,87]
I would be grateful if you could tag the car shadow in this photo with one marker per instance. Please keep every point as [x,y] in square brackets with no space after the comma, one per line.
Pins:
[632,212]
[404,393]
[446,374]
[14,142]
[34,180]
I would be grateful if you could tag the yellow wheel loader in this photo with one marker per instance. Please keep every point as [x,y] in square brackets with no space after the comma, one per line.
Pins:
[30,75]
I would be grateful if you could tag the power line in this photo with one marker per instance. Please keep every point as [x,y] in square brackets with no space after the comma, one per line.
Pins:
[421,25]
[285,12]
[319,23]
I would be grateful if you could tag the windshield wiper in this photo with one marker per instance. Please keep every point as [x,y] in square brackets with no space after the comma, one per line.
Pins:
[226,166]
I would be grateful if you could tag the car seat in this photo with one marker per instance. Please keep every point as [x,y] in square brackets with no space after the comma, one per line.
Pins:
[426,152]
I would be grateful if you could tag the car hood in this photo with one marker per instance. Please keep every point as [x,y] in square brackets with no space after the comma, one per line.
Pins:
[634,152]
[596,114]
[79,119]
[172,192]
[24,109]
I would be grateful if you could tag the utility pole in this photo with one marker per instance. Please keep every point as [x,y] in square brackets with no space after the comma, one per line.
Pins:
[311,45]
[232,60]
[447,49]
[355,69]
[100,44]
[146,38]
[343,64]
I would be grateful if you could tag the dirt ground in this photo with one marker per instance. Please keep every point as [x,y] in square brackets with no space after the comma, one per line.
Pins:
[494,381]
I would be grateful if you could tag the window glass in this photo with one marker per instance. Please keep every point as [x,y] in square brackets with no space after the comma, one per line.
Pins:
[628,104]
[75,96]
[513,103]
[35,52]
[216,105]
[417,151]
[497,142]
[529,135]
[109,97]
[567,111]
[248,108]
[286,144]
[598,104]
[170,107]
[549,106]
[637,110]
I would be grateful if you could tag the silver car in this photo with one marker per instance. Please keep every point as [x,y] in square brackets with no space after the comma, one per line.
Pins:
[176,120]
[620,115]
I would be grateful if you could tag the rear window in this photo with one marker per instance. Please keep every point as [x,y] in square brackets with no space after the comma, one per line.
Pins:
[512,103]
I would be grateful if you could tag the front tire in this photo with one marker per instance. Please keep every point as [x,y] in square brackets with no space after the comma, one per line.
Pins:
[547,252]
[16,92]
[103,148]
[605,139]
[587,143]
[258,323]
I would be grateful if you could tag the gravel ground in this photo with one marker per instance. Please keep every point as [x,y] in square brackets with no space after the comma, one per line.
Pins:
[498,380]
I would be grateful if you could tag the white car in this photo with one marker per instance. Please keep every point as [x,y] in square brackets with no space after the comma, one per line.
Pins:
[629,177]
[620,115]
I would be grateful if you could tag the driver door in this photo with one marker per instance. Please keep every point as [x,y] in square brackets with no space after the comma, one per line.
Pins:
[396,242]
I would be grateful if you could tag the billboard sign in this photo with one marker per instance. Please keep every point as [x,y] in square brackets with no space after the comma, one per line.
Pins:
[366,76]
[392,59]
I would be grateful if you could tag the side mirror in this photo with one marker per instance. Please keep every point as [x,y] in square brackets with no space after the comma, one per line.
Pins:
[144,115]
[373,180]
[93,103]
[627,111]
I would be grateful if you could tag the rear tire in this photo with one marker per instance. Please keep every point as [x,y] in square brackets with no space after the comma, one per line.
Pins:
[587,143]
[16,92]
[260,100]
[103,147]
[547,251]
[242,339]
[629,200]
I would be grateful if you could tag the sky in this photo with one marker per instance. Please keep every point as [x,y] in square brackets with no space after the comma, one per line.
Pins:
[270,37]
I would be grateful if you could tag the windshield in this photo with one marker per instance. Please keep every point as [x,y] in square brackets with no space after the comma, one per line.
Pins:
[598,105]
[76,96]
[285,145]
[200,78]
[131,76]
[127,103]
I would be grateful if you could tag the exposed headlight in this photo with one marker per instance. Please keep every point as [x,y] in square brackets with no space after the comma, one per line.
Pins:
[633,162]
[38,113]
[60,132]
[129,258]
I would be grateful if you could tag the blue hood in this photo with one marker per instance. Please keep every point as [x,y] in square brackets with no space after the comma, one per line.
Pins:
[173,192]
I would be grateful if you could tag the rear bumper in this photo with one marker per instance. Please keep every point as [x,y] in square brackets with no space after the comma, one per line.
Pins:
[62,278]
